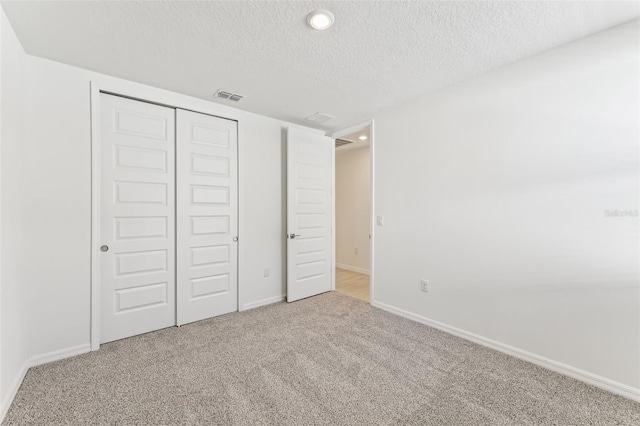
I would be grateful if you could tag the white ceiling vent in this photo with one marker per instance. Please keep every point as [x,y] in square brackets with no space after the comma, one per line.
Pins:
[342,142]
[224,94]
[319,117]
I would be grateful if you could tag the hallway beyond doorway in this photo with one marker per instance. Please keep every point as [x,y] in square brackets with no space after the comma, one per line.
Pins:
[352,284]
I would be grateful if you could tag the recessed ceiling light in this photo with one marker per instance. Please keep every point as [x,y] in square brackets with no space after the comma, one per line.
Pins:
[320,19]
[363,138]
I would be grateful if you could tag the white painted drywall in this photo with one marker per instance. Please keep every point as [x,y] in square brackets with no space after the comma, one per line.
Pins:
[54,200]
[496,190]
[353,207]
[56,221]
[12,314]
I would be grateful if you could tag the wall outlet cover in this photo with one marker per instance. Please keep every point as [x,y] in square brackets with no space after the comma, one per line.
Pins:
[424,285]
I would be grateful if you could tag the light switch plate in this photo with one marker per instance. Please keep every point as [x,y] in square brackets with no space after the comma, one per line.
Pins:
[380,220]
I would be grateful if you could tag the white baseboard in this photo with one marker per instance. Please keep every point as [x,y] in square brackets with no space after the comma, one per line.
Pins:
[34,362]
[558,367]
[353,268]
[263,302]
[58,355]
[13,391]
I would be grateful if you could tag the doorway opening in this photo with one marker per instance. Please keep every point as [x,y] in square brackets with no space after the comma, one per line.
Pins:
[353,206]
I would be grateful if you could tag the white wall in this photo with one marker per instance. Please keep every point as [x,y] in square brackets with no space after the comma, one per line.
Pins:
[46,216]
[265,206]
[496,189]
[12,298]
[353,207]
[46,200]
[56,192]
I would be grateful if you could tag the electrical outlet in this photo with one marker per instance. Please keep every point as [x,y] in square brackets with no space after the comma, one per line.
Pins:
[355,250]
[380,220]
[267,272]
[424,285]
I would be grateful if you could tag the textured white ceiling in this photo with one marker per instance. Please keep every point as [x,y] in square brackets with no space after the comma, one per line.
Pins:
[376,55]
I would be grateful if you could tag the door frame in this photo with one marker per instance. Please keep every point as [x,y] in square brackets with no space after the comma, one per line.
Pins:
[161,97]
[372,219]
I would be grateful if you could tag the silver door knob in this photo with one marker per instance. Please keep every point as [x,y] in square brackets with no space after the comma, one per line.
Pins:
[235,239]
[104,248]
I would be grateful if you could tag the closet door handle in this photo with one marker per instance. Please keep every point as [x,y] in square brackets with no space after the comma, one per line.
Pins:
[235,239]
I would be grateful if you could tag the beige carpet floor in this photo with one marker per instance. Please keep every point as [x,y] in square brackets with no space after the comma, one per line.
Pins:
[327,360]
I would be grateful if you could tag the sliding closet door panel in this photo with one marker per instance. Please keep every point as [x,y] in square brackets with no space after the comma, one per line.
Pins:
[207,212]
[137,217]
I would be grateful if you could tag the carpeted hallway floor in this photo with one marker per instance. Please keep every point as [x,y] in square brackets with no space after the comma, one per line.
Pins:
[327,360]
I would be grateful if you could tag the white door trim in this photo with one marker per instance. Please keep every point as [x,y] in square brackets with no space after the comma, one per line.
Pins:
[372,222]
[161,97]
[95,217]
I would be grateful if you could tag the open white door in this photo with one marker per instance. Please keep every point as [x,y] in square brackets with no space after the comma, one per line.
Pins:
[309,214]
[207,216]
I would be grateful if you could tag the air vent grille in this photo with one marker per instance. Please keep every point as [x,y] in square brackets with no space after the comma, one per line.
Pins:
[319,117]
[224,94]
[342,142]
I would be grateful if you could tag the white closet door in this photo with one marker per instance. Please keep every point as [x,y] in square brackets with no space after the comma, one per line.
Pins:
[207,216]
[309,214]
[137,217]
